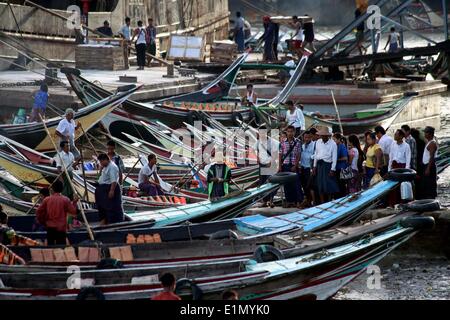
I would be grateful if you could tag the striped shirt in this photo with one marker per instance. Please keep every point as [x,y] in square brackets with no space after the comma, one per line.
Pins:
[286,146]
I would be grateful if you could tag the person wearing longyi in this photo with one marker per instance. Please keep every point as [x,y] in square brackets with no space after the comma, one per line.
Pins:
[111,152]
[324,169]
[66,131]
[290,153]
[400,152]
[219,177]
[149,181]
[427,174]
[409,139]
[65,159]
[108,195]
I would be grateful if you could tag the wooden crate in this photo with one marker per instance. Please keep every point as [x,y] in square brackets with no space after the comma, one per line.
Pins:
[100,57]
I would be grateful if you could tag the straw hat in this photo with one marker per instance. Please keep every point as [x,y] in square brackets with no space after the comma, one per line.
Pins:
[324,132]
[69,110]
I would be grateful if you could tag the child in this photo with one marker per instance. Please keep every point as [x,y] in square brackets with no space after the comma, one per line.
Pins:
[40,103]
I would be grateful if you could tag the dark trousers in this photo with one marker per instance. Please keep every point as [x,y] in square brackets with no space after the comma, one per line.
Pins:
[292,191]
[140,52]
[342,184]
[262,180]
[55,237]
[110,210]
[305,180]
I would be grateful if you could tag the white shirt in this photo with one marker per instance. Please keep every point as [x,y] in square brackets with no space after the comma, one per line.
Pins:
[385,143]
[251,97]
[326,152]
[400,153]
[67,128]
[67,159]
[109,174]
[395,37]
[141,36]
[146,171]
[296,119]
[426,154]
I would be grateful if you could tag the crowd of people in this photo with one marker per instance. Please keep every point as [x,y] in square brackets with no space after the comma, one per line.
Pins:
[330,166]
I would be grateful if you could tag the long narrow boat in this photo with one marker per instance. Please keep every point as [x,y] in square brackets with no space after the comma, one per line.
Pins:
[170,110]
[33,135]
[43,175]
[363,120]
[356,123]
[210,251]
[331,214]
[318,274]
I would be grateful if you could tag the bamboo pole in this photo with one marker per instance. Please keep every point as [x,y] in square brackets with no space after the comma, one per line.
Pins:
[91,235]
[86,192]
[337,112]
[89,141]
[129,172]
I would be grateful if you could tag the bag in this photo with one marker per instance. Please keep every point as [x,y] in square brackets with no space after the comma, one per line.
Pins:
[375,179]
[406,191]
[347,173]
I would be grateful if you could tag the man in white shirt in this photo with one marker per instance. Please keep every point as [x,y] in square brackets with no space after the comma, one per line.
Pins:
[65,159]
[385,143]
[66,131]
[108,195]
[324,168]
[399,158]
[400,152]
[149,181]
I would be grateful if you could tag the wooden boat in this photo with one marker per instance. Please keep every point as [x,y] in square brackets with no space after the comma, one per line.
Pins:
[319,273]
[33,135]
[363,120]
[172,110]
[192,252]
[331,214]
[356,123]
[43,175]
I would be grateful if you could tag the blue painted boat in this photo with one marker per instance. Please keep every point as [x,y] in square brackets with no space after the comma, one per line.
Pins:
[334,213]
[314,275]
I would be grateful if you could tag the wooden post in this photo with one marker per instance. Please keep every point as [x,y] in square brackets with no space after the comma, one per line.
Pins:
[91,235]
[337,112]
